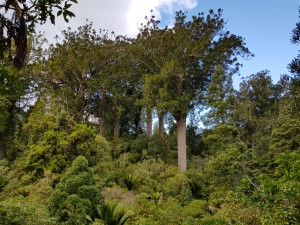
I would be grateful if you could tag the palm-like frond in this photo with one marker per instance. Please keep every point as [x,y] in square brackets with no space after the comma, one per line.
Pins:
[111,214]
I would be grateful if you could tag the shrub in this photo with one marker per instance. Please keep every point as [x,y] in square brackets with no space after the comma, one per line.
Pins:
[129,181]
[75,196]
[112,214]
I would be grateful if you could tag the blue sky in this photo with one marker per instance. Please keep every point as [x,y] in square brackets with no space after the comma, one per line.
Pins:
[266,25]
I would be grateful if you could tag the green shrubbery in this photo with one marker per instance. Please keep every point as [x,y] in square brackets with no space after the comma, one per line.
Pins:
[76,197]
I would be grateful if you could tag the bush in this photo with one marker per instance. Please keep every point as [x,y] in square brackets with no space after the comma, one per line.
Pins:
[75,196]
[129,181]
[58,148]
[17,210]
[197,209]
[112,214]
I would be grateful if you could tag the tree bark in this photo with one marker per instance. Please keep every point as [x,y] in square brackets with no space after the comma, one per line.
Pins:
[20,38]
[137,120]
[161,126]
[101,127]
[117,127]
[2,151]
[149,124]
[181,140]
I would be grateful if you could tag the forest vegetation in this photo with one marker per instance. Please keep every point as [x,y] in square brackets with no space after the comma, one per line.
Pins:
[106,129]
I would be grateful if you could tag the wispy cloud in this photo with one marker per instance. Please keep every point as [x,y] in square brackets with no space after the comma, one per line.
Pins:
[121,16]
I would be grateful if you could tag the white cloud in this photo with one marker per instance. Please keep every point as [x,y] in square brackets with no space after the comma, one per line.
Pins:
[137,11]
[120,16]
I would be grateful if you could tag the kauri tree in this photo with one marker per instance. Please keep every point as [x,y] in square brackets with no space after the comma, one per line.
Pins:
[198,47]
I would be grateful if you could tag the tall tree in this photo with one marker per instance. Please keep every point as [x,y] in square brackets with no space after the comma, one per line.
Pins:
[14,85]
[116,86]
[152,52]
[71,66]
[255,107]
[220,98]
[294,66]
[197,47]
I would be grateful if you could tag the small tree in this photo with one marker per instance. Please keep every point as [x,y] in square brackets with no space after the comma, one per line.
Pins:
[75,197]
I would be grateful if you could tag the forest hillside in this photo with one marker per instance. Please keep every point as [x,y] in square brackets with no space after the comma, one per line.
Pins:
[106,129]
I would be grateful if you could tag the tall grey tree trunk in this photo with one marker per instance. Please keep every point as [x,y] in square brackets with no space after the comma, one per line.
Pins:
[181,140]
[101,127]
[149,123]
[161,126]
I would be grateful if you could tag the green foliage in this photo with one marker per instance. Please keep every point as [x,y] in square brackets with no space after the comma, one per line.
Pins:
[112,214]
[17,211]
[220,138]
[13,84]
[294,65]
[5,102]
[198,183]
[55,144]
[26,15]
[169,212]
[214,221]
[129,181]
[14,211]
[178,187]
[143,147]
[197,208]
[220,98]
[4,168]
[224,170]
[146,175]
[75,196]
[139,145]
[38,123]
[194,140]
[157,147]
[243,166]
[256,110]
[287,136]
[276,195]
[178,81]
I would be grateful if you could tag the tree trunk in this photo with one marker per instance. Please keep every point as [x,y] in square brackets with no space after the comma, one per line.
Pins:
[181,140]
[101,127]
[117,127]
[161,126]
[137,120]
[2,151]
[20,38]
[149,124]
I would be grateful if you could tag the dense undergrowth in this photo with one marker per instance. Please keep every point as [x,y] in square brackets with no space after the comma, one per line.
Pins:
[70,175]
